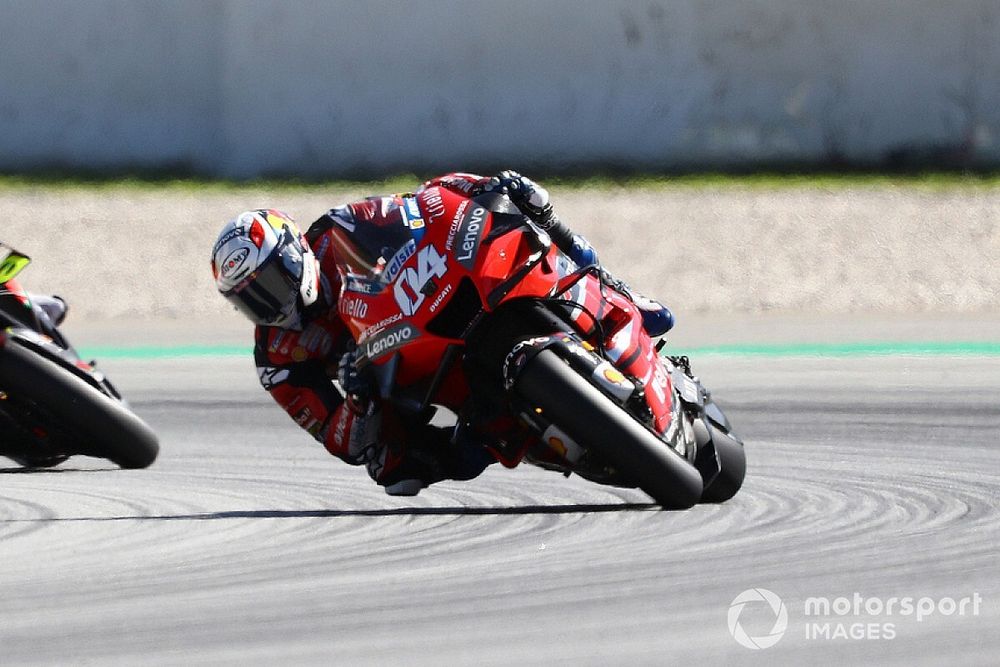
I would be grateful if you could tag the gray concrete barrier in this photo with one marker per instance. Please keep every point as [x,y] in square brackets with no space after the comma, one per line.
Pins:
[250,87]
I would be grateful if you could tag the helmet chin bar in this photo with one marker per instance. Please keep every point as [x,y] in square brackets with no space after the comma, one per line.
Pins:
[293,321]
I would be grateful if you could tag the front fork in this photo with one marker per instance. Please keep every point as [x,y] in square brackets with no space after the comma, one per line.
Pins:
[702,413]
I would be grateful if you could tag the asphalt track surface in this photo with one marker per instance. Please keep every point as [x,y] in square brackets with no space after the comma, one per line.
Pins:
[246,543]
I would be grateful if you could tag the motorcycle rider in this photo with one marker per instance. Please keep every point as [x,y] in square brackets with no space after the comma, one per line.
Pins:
[288,285]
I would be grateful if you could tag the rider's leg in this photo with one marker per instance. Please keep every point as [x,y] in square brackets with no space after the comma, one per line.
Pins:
[657,319]
[51,309]
[404,462]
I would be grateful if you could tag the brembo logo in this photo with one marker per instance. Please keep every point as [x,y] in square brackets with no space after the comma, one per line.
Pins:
[468,237]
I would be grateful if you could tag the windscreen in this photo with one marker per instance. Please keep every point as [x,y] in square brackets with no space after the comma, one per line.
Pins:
[376,249]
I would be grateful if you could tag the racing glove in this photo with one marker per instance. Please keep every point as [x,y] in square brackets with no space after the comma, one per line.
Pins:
[533,200]
[356,384]
[527,195]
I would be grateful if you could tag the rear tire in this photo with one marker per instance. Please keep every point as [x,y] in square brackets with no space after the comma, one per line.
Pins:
[594,421]
[105,427]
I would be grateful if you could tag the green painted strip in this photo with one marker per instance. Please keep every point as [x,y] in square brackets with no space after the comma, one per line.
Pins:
[974,348]
[165,352]
[985,348]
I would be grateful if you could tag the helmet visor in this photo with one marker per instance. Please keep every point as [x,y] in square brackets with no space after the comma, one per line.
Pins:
[269,296]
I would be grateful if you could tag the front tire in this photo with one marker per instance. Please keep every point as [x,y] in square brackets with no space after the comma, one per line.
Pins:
[732,462]
[598,424]
[104,427]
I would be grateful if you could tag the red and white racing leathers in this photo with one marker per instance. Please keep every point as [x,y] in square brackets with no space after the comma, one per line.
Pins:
[296,367]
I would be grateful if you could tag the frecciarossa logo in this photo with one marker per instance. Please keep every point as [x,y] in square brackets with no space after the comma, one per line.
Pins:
[389,340]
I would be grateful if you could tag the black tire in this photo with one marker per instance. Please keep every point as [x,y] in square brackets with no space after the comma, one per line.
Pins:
[598,424]
[106,428]
[733,467]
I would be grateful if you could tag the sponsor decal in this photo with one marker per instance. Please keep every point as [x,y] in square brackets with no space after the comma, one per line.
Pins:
[394,265]
[355,284]
[433,203]
[468,235]
[303,416]
[340,430]
[656,378]
[376,328]
[386,342]
[234,262]
[299,354]
[613,375]
[411,208]
[613,381]
[276,340]
[515,358]
[440,297]
[229,236]
[454,183]
[310,280]
[455,222]
[353,307]
[271,376]
[412,217]
[562,444]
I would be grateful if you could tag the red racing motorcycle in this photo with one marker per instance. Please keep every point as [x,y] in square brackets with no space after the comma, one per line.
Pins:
[468,305]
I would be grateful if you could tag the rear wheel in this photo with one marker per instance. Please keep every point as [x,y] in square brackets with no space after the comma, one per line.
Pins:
[98,424]
[598,424]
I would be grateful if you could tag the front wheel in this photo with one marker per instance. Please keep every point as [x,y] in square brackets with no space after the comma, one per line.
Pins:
[731,462]
[100,425]
[594,421]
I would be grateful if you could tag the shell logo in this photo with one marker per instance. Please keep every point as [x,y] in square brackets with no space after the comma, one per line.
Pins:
[558,445]
[614,376]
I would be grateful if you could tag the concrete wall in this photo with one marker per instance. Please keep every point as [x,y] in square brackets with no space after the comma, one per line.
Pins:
[344,87]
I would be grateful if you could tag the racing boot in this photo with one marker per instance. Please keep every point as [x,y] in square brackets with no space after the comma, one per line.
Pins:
[657,319]
[440,454]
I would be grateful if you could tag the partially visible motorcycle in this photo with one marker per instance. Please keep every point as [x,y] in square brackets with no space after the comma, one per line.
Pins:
[54,405]
[467,304]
